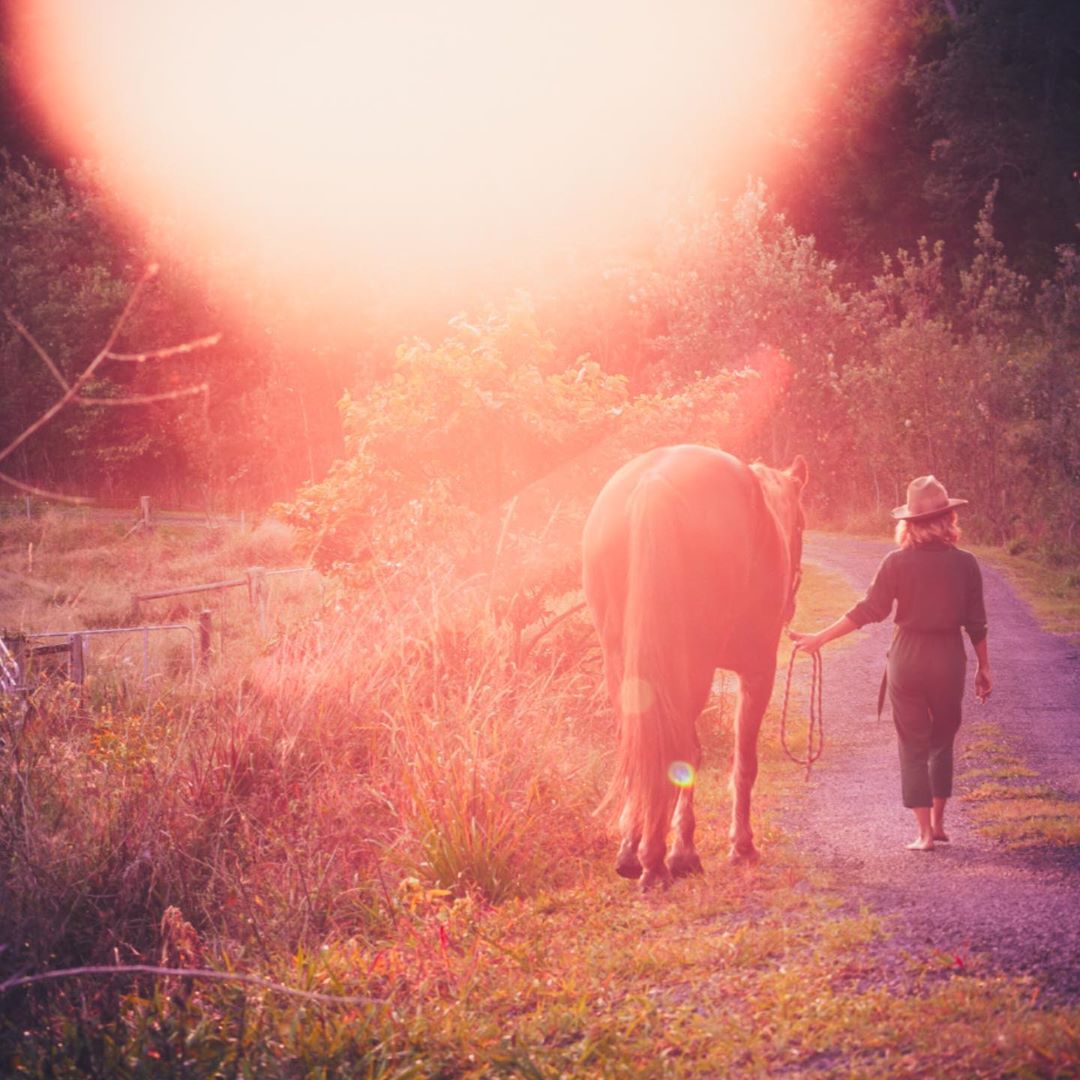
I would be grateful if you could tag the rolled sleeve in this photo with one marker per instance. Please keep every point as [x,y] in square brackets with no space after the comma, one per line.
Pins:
[879,598]
[975,613]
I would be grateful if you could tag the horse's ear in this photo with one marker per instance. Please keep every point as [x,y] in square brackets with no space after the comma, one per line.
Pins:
[799,471]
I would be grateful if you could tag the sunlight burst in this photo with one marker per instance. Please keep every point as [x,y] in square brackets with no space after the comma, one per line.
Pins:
[345,141]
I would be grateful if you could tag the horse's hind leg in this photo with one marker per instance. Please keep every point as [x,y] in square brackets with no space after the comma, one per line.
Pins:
[627,863]
[653,842]
[754,692]
[683,858]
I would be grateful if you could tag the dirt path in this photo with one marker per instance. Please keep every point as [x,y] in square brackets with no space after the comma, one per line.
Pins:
[973,902]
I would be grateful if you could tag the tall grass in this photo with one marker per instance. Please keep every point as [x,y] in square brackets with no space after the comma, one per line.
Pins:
[282,795]
[392,800]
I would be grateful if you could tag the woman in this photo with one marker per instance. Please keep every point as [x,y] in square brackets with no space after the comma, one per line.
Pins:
[938,590]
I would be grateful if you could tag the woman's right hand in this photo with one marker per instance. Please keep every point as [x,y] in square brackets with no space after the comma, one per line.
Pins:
[806,642]
[983,683]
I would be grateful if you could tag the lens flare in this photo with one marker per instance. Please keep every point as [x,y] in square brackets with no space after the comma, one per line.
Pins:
[682,774]
[344,142]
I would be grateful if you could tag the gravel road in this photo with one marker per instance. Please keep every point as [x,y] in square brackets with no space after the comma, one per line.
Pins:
[972,904]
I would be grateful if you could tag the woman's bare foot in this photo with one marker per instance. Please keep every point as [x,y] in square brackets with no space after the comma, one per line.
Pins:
[925,840]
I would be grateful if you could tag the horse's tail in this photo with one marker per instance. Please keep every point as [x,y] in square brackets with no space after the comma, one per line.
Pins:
[655,733]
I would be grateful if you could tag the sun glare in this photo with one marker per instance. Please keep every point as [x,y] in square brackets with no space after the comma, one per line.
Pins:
[352,140]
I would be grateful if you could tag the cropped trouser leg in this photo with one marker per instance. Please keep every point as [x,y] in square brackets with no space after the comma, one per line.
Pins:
[926,686]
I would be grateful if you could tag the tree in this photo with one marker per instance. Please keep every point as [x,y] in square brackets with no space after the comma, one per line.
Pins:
[1001,107]
[76,388]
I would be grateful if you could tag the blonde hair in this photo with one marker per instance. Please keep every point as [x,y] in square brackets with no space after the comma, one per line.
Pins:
[943,527]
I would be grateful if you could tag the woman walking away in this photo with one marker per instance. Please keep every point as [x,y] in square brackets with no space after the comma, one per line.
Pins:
[938,590]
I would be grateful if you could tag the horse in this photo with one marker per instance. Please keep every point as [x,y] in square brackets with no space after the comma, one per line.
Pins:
[691,562]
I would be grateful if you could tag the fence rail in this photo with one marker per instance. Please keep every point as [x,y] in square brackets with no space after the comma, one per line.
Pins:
[17,660]
[18,650]
[254,578]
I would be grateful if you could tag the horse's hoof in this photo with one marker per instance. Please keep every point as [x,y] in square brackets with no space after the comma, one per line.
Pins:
[628,865]
[684,864]
[652,879]
[748,856]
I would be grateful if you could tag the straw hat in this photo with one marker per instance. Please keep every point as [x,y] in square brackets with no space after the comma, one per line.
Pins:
[926,498]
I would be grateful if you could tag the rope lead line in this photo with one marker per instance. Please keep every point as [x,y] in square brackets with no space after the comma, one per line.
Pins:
[814,746]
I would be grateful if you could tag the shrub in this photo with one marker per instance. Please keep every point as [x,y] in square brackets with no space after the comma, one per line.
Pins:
[269,543]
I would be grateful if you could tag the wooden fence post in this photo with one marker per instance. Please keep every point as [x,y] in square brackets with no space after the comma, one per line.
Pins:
[144,509]
[204,637]
[18,653]
[77,670]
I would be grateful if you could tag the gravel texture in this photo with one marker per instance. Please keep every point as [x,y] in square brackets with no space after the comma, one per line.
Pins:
[973,905]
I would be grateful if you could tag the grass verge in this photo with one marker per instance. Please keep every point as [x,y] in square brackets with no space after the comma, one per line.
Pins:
[398,815]
[1007,802]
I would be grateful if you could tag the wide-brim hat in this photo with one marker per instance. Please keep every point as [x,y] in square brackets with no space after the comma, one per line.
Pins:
[926,498]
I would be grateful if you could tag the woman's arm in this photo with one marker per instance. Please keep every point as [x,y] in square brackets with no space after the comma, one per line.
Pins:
[874,607]
[812,642]
[983,681]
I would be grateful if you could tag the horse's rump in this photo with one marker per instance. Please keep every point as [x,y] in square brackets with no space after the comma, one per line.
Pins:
[690,563]
[674,538]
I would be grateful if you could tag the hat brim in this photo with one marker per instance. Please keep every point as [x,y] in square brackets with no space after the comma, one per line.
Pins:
[901,512]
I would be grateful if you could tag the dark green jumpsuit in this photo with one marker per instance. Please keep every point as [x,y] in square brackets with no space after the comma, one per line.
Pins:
[938,591]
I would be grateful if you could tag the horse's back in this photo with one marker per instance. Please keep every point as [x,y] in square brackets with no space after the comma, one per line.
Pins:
[702,507]
[710,493]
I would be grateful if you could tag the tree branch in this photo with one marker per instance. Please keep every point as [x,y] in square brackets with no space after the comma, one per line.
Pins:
[190,973]
[76,500]
[528,647]
[87,374]
[73,391]
[164,354]
[45,358]
[146,399]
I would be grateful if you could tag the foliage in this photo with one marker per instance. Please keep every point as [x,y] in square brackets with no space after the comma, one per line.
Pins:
[62,276]
[741,290]
[952,385]
[488,425]
[928,104]
[935,367]
[66,272]
[999,103]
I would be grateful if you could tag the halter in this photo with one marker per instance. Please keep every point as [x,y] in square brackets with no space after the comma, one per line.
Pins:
[796,581]
[796,577]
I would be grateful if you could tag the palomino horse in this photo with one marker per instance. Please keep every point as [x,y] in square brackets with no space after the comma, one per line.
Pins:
[691,563]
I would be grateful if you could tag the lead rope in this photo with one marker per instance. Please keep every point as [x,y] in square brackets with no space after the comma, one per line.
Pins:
[817,714]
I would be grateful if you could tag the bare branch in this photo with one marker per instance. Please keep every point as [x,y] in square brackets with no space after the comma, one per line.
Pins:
[42,493]
[146,399]
[73,391]
[45,358]
[191,973]
[164,354]
[528,647]
[87,373]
